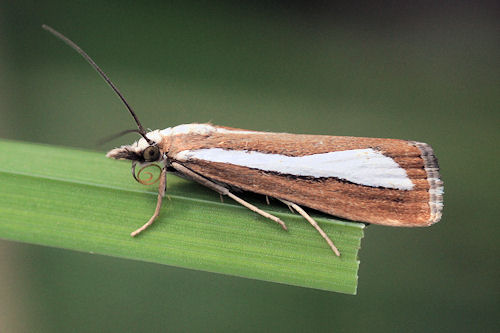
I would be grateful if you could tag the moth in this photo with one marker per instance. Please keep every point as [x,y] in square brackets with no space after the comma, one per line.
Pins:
[382,181]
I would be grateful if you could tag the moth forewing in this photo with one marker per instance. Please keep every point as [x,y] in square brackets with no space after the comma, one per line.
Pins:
[382,181]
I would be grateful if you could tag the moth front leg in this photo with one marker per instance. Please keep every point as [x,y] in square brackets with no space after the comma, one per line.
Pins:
[161,194]
[223,191]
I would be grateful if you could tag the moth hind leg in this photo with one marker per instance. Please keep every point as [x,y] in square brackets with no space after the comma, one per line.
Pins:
[224,191]
[309,219]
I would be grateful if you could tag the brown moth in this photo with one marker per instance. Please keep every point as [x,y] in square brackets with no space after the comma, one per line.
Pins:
[381,181]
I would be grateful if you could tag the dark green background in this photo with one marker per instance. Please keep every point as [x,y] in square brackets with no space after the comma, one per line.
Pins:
[422,71]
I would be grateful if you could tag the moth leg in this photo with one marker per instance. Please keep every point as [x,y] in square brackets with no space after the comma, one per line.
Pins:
[289,207]
[224,191]
[161,194]
[309,219]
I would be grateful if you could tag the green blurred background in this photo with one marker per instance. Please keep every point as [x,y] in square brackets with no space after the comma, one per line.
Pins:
[426,71]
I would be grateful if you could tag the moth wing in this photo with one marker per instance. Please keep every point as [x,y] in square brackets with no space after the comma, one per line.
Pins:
[417,204]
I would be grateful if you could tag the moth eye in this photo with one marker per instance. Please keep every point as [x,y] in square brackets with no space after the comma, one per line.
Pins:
[151,153]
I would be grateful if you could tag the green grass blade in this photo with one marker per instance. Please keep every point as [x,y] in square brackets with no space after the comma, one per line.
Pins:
[80,200]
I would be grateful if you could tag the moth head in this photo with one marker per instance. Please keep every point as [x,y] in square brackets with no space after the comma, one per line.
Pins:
[141,151]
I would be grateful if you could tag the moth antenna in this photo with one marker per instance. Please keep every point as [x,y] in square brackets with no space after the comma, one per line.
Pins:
[116,135]
[75,47]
